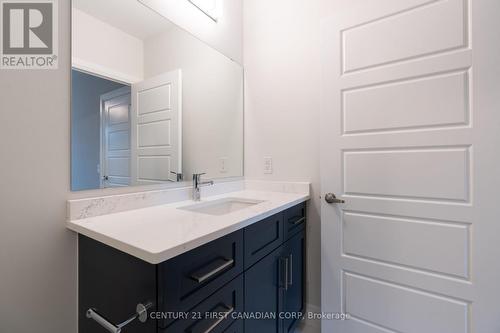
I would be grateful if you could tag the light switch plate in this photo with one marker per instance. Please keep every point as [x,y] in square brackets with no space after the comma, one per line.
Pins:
[268,165]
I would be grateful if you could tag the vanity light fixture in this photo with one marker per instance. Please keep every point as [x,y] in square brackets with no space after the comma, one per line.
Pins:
[211,8]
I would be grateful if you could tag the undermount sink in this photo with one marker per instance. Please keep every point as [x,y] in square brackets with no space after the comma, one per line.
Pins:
[222,206]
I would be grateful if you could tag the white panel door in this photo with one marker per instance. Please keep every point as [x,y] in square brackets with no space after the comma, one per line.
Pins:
[410,131]
[115,142]
[157,129]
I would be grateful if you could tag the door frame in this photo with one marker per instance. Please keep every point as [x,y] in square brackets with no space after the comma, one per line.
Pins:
[103,72]
[102,126]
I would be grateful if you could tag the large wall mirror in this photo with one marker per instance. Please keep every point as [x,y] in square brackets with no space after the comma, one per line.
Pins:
[151,103]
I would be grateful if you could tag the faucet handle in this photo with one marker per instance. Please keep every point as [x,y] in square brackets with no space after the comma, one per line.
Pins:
[198,175]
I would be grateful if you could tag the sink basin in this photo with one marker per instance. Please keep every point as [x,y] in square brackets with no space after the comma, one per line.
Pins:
[221,206]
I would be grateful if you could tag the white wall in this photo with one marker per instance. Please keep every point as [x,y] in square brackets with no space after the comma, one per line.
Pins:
[282,100]
[105,50]
[37,252]
[225,35]
[212,101]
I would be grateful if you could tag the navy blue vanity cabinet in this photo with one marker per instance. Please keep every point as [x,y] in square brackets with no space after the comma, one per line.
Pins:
[250,281]
[263,294]
[274,289]
[294,292]
[275,284]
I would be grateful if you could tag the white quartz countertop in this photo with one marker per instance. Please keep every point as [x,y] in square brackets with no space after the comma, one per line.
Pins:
[158,233]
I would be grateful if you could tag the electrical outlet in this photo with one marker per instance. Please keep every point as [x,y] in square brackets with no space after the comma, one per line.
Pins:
[268,165]
[223,164]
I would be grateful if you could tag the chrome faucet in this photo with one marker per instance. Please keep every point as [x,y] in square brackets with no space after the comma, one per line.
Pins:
[197,184]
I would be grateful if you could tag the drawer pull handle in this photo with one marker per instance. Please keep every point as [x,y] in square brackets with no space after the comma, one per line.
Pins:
[290,270]
[141,313]
[202,277]
[299,221]
[284,273]
[221,317]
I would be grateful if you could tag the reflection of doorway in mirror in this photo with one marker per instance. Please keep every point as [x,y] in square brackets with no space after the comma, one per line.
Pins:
[115,138]
[87,168]
[125,135]
[157,129]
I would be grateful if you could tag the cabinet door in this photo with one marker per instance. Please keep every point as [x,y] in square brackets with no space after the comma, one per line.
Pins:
[263,294]
[294,293]
[262,238]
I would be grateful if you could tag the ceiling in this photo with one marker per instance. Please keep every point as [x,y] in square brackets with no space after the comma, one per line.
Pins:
[129,16]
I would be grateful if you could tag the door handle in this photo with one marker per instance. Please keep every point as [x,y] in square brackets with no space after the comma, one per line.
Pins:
[331,198]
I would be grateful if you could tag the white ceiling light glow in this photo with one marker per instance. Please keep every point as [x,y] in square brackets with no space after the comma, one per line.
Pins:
[211,8]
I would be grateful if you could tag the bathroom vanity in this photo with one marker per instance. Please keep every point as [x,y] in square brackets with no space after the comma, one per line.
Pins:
[232,263]
[153,258]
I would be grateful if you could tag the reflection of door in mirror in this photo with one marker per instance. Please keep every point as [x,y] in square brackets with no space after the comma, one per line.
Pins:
[115,142]
[156,129]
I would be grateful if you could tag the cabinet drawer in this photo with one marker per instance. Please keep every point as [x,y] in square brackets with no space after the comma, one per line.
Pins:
[186,280]
[262,238]
[295,220]
[215,314]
